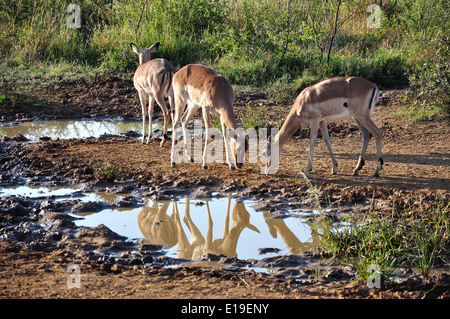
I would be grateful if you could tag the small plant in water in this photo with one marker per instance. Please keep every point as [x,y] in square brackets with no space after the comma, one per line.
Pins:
[107,170]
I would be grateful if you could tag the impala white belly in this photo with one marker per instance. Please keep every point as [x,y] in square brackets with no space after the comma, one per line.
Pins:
[335,109]
[344,113]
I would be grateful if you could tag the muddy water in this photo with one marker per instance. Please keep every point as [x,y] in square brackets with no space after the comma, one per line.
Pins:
[66,129]
[186,228]
[189,229]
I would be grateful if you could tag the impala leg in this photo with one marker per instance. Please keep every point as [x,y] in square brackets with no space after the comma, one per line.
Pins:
[326,138]
[369,129]
[172,105]
[179,106]
[160,100]
[226,140]
[143,100]
[207,119]
[314,130]
[366,138]
[187,116]
[151,103]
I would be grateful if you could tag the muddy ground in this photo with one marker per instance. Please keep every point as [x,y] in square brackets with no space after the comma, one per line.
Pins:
[34,257]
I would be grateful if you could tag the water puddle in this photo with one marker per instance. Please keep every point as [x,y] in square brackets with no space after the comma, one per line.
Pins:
[222,226]
[188,228]
[66,129]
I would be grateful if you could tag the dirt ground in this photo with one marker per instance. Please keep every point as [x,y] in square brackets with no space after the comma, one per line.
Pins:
[416,173]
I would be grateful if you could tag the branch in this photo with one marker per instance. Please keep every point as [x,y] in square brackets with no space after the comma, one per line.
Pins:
[140,17]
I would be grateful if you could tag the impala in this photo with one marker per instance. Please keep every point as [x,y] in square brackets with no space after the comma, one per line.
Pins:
[332,99]
[200,86]
[153,81]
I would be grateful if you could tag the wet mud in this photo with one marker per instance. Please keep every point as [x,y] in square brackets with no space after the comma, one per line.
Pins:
[39,237]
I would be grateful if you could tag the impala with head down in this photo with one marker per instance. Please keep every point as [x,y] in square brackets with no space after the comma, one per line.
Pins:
[332,99]
[200,86]
[153,81]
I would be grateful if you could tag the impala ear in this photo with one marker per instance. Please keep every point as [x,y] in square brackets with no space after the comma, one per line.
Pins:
[134,47]
[153,48]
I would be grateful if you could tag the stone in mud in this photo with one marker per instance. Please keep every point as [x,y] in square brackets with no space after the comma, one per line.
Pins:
[56,220]
[99,238]
[150,247]
[100,232]
[89,207]
[263,251]
[20,138]
[129,201]
[281,261]
[14,208]
[147,259]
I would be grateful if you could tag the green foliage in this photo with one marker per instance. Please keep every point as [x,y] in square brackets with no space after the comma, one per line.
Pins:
[390,243]
[282,45]
[254,118]
[107,171]
[430,85]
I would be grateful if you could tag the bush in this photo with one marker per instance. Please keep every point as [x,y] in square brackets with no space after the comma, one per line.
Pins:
[107,171]
[431,81]
[279,45]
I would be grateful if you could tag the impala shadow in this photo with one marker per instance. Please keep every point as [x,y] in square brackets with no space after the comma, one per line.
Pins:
[401,171]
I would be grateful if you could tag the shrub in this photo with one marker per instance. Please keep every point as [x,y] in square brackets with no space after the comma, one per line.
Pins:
[431,81]
[107,171]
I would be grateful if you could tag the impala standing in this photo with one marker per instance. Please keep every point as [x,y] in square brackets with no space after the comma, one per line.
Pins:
[153,80]
[200,86]
[332,99]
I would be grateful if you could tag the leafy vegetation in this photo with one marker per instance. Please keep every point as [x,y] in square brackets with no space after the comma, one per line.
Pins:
[107,170]
[391,242]
[282,45]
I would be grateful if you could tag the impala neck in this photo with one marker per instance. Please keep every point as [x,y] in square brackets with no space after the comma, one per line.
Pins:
[229,119]
[289,127]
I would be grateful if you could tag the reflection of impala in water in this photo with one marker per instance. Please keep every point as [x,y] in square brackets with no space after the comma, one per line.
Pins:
[160,228]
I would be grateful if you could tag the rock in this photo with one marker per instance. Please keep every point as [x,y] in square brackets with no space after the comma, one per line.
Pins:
[101,231]
[150,247]
[57,220]
[263,251]
[20,138]
[16,209]
[89,207]
[147,259]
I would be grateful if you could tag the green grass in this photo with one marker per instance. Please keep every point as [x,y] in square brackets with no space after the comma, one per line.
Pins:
[254,118]
[278,46]
[107,170]
[390,242]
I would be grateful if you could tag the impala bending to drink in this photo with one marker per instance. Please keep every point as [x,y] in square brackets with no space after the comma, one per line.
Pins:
[332,99]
